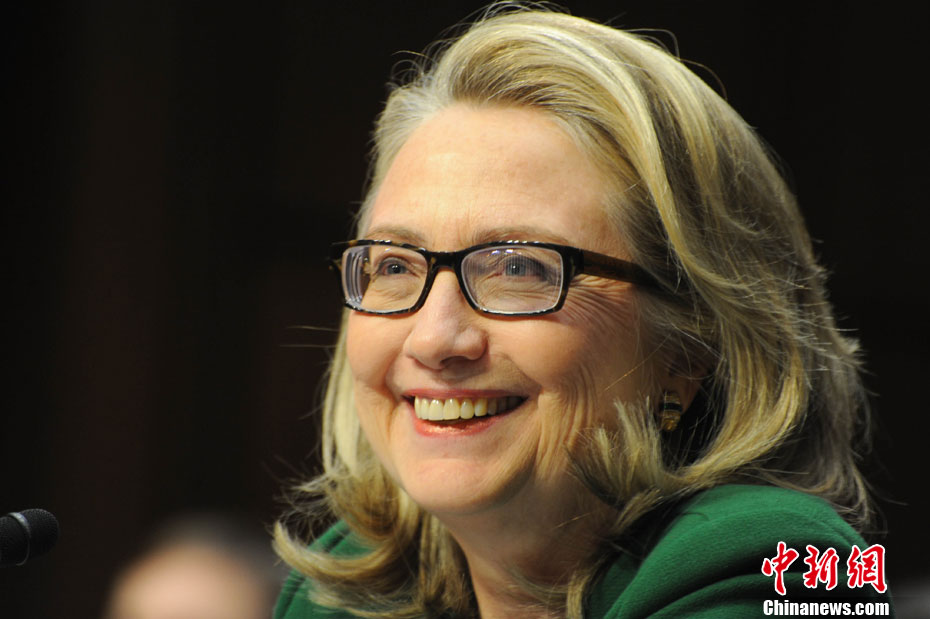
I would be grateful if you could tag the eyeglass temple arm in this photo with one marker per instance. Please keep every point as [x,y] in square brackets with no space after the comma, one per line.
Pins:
[600,265]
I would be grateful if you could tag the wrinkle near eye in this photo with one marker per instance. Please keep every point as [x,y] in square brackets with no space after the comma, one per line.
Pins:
[608,304]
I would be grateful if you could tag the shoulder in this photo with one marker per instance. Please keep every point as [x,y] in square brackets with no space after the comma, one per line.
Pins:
[707,560]
[735,518]
[294,601]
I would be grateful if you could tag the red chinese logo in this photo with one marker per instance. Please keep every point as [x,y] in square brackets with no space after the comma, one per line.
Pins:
[864,567]
[778,564]
[822,567]
[867,567]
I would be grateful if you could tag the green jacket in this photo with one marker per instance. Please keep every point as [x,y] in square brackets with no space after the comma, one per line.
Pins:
[702,558]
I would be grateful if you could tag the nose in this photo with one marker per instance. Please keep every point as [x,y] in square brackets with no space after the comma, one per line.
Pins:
[446,329]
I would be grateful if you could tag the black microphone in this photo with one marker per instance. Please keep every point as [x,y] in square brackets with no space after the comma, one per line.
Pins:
[26,534]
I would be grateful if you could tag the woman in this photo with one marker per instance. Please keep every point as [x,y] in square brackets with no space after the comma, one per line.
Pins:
[588,367]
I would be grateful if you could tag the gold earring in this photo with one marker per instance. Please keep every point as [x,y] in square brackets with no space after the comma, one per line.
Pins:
[670,413]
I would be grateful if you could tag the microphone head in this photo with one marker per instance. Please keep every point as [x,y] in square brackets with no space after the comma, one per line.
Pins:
[26,534]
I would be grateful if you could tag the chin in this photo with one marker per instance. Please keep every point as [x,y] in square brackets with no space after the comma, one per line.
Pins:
[462,488]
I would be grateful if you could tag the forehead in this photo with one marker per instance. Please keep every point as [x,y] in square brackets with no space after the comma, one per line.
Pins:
[469,175]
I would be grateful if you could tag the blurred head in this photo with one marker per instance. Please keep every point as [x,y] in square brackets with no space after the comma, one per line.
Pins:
[197,569]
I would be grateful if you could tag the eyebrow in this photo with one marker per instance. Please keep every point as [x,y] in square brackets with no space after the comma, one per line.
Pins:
[395,233]
[518,233]
[500,233]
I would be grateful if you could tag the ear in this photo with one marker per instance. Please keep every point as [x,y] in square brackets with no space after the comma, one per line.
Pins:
[684,377]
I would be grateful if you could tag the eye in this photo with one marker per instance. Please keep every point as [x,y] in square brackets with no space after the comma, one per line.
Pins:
[517,267]
[497,271]
[522,266]
[391,266]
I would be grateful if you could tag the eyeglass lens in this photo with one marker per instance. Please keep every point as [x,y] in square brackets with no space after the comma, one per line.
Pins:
[505,279]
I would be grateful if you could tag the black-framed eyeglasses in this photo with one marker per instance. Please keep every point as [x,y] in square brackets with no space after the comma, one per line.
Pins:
[510,278]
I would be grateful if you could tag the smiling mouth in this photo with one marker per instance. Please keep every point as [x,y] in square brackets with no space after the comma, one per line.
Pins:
[454,409]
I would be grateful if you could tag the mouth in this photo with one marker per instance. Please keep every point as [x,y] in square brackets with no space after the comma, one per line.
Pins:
[451,410]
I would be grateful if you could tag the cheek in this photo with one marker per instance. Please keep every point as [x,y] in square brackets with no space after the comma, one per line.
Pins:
[603,310]
[614,361]
[588,359]
[355,335]
[604,355]
[371,350]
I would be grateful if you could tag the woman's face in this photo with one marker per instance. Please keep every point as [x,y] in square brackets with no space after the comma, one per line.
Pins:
[467,176]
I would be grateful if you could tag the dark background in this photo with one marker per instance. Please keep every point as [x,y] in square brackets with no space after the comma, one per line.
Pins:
[174,172]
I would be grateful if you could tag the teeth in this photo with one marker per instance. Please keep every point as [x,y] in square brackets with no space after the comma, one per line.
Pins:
[467,410]
[451,410]
[456,408]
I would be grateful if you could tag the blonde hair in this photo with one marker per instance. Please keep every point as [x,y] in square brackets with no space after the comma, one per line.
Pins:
[700,203]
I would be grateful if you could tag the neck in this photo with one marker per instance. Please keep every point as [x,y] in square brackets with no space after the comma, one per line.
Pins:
[507,547]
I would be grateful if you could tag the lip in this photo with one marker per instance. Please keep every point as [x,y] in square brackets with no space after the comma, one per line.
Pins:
[458,428]
[446,394]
